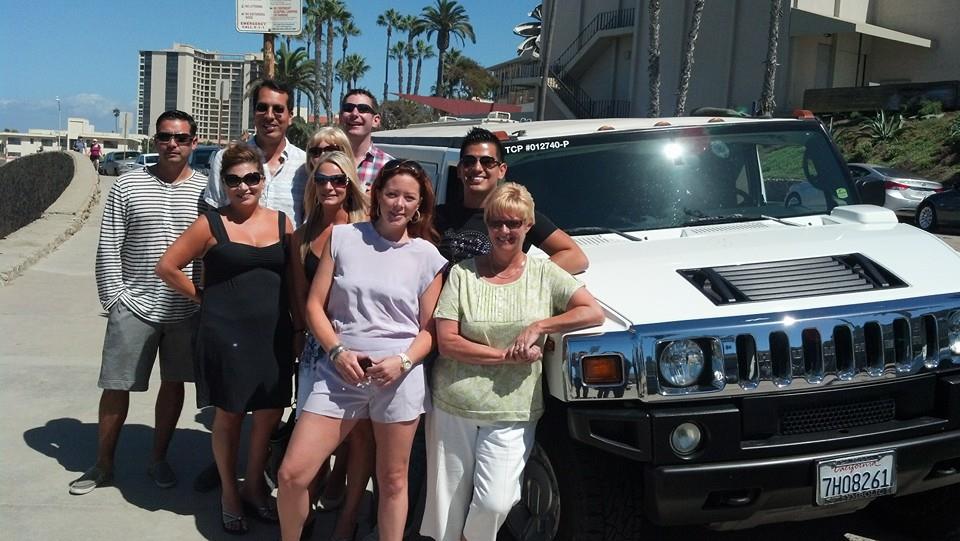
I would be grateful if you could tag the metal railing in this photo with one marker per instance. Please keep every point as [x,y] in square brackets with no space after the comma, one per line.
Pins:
[606,20]
[582,105]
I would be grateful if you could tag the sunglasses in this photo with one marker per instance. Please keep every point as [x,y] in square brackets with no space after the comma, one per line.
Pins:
[512,225]
[316,152]
[180,138]
[250,179]
[338,181]
[264,107]
[360,107]
[487,162]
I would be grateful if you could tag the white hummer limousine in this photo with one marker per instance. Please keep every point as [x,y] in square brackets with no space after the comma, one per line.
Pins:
[760,361]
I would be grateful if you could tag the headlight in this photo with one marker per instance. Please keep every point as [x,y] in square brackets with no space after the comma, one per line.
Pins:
[681,363]
[685,438]
[953,332]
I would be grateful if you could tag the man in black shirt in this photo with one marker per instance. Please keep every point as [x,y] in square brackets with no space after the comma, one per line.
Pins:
[460,223]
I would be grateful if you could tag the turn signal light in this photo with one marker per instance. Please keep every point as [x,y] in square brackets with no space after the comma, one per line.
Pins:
[602,369]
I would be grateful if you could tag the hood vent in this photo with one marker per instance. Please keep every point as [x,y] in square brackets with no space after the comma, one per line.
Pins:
[828,275]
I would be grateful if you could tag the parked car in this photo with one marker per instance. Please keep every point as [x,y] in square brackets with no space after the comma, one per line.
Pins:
[201,158]
[939,210]
[804,194]
[905,190]
[114,162]
[144,161]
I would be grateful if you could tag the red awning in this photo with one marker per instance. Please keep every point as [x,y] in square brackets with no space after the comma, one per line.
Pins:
[461,107]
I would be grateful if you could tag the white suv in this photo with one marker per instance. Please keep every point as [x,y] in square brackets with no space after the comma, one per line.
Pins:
[760,362]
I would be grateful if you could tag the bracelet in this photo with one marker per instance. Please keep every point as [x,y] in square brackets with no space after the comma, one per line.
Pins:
[405,363]
[335,351]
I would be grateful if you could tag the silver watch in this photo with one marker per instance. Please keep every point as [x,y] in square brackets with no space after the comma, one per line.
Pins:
[405,363]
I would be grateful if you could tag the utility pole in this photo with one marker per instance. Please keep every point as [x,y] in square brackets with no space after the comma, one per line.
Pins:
[59,124]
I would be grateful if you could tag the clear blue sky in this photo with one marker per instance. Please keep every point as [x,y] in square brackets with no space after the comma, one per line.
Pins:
[87,51]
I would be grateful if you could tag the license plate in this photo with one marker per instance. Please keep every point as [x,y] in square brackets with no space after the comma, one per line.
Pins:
[855,477]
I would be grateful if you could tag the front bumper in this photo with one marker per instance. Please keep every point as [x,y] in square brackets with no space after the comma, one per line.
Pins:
[737,492]
[749,471]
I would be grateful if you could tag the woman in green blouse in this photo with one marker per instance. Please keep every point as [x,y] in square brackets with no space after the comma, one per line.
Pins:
[492,317]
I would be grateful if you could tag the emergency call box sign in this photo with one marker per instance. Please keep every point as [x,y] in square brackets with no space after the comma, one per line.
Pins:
[270,16]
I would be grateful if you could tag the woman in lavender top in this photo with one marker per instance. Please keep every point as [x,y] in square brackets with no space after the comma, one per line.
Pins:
[371,309]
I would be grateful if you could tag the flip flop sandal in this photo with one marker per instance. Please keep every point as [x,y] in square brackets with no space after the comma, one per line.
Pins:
[232,524]
[263,513]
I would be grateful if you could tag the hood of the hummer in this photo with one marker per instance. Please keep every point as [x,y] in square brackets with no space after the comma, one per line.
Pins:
[639,280]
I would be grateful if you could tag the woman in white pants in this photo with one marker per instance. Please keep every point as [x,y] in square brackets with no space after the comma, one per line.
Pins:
[492,316]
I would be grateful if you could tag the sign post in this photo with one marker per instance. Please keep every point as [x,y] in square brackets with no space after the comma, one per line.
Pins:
[269,17]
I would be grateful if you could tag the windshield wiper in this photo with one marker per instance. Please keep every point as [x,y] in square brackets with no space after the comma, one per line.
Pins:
[699,218]
[599,231]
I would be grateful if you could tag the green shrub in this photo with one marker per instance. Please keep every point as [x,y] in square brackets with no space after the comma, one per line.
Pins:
[881,127]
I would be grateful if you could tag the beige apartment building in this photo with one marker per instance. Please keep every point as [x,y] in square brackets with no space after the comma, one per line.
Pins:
[208,85]
[599,54]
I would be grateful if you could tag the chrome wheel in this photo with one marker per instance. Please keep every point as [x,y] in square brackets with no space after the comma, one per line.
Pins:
[926,218]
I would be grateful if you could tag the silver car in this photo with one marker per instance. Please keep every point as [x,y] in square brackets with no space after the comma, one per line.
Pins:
[904,190]
[114,163]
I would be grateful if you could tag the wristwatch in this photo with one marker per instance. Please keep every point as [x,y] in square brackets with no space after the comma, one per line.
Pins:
[405,363]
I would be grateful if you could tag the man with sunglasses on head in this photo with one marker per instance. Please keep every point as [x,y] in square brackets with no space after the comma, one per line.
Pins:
[359,116]
[145,211]
[283,191]
[464,233]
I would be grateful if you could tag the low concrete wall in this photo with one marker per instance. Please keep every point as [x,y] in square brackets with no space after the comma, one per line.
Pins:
[29,185]
[44,199]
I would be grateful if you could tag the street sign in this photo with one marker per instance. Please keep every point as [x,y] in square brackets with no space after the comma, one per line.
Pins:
[270,16]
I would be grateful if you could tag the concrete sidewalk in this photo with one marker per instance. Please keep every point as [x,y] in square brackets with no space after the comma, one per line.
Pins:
[49,361]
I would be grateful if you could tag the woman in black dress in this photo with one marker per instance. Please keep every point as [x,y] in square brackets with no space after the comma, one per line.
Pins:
[246,338]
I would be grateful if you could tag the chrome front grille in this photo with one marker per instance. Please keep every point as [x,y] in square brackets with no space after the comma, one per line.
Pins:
[797,350]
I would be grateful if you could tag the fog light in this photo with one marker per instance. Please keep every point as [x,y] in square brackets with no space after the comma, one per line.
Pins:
[681,363]
[685,439]
[953,333]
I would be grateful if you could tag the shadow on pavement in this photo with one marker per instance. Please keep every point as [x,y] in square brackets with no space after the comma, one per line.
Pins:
[73,445]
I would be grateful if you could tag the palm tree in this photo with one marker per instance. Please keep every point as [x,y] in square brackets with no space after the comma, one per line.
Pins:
[336,12]
[767,97]
[354,67]
[686,68]
[306,36]
[293,69]
[446,18]
[455,66]
[412,25]
[423,50]
[346,29]
[399,52]
[388,18]
[653,59]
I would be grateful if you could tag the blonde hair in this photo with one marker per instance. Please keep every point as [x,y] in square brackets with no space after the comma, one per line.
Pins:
[510,198]
[331,135]
[355,203]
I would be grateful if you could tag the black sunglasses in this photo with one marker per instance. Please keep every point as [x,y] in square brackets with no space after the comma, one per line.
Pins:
[180,138]
[339,181]
[487,162]
[360,107]
[512,225]
[316,152]
[409,166]
[264,107]
[250,179]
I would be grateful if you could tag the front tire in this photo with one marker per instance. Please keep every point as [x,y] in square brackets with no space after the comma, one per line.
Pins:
[575,492]
[926,217]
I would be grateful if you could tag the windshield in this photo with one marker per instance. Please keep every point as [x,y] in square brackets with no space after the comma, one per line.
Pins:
[151,159]
[202,156]
[675,177]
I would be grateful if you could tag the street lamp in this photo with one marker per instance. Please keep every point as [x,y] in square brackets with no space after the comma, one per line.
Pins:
[59,124]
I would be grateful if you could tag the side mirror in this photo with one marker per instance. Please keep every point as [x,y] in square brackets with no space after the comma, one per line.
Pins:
[871,191]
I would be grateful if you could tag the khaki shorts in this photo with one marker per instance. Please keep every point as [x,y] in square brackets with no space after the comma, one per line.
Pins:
[131,345]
